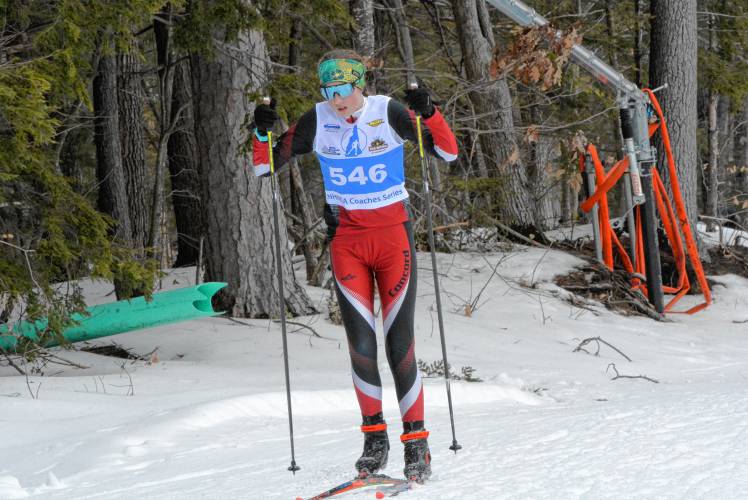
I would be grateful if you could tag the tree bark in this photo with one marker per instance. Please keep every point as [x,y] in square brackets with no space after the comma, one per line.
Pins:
[638,41]
[405,46]
[162,33]
[237,205]
[712,191]
[741,157]
[294,44]
[404,41]
[305,211]
[673,57]
[364,41]
[494,102]
[112,196]
[183,171]
[725,123]
[609,27]
[131,97]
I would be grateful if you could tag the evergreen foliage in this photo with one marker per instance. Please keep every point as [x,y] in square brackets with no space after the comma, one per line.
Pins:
[51,232]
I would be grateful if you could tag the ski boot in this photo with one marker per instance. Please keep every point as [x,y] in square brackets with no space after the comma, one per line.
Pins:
[417,454]
[376,446]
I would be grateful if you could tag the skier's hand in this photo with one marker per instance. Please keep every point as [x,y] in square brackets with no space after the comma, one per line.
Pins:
[419,100]
[265,117]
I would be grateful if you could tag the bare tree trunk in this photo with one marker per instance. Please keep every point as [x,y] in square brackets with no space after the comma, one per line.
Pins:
[300,206]
[673,57]
[112,197]
[404,42]
[294,44]
[131,97]
[710,179]
[162,32]
[712,191]
[725,123]
[741,156]
[405,46]
[493,101]
[183,171]
[540,150]
[638,38]
[238,210]
[364,42]
[305,210]
[609,26]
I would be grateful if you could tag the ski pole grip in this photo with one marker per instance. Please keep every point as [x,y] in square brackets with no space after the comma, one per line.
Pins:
[627,127]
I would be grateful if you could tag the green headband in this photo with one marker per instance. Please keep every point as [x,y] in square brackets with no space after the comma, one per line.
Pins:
[342,70]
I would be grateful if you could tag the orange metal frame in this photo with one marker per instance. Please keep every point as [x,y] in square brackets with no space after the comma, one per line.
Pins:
[672,213]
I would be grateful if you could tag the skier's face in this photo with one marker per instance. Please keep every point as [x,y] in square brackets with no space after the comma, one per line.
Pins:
[346,106]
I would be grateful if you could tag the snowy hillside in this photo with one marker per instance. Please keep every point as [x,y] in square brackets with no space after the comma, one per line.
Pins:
[207,417]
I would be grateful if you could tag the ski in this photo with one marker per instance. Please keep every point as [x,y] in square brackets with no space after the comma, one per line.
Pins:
[358,483]
[394,489]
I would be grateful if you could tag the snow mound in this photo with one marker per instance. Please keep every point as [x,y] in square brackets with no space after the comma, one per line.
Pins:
[11,488]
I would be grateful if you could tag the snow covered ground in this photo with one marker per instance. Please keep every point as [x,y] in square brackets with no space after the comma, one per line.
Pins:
[207,418]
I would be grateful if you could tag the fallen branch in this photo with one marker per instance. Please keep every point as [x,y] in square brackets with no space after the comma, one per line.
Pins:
[618,375]
[63,361]
[439,229]
[314,333]
[592,287]
[10,362]
[514,233]
[611,288]
[645,310]
[580,347]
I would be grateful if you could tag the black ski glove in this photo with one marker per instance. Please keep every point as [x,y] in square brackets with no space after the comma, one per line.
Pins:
[419,100]
[265,117]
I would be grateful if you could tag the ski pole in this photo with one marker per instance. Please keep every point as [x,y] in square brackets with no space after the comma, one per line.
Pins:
[282,299]
[429,219]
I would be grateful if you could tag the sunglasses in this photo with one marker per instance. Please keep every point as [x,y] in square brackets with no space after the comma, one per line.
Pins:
[343,90]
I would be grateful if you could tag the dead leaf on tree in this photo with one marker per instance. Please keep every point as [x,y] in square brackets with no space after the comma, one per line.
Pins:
[532,134]
[579,143]
[532,63]
[512,159]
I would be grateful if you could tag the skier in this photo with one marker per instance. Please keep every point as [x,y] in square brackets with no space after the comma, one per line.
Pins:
[358,140]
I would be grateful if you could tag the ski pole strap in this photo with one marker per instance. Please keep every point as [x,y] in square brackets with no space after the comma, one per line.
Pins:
[374,428]
[414,435]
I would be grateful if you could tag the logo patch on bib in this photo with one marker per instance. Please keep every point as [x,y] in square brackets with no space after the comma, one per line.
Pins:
[331,150]
[377,144]
[354,141]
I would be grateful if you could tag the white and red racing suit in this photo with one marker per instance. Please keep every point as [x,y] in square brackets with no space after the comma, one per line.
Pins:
[371,237]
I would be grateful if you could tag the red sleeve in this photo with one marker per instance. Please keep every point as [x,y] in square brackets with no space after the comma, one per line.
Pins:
[297,140]
[260,160]
[445,143]
[438,139]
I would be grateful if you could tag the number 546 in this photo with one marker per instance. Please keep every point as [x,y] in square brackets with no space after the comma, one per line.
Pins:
[376,174]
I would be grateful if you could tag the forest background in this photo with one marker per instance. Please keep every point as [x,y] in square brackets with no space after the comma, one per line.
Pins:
[124,128]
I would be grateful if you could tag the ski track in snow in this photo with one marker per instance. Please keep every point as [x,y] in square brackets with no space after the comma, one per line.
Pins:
[210,419]
[632,447]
